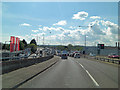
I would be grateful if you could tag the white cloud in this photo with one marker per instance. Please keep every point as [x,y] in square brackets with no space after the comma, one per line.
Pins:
[71,27]
[104,32]
[97,28]
[80,15]
[112,27]
[45,28]
[101,31]
[25,24]
[62,23]
[40,28]
[95,17]
[39,25]
[52,29]
[35,31]
[38,34]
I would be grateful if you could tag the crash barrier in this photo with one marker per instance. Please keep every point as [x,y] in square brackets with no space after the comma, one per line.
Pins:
[13,58]
[111,60]
[16,58]
[8,66]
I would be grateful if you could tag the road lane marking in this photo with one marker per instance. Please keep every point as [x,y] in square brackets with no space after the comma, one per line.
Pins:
[82,66]
[89,74]
[92,79]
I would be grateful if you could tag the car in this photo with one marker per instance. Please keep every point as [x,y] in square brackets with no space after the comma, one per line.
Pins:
[63,56]
[92,54]
[113,55]
[70,54]
[77,55]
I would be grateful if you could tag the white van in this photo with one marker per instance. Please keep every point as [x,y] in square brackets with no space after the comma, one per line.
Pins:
[77,55]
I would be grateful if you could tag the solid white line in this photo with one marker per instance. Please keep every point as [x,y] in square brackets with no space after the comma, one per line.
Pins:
[82,66]
[92,79]
[89,74]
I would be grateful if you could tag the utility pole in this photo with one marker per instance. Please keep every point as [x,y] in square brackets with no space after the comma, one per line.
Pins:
[39,40]
[96,48]
[43,40]
[85,37]
[85,43]
[118,48]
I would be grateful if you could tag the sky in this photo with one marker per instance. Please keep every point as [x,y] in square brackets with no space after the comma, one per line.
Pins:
[58,22]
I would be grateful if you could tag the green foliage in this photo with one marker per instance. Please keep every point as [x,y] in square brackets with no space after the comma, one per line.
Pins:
[22,45]
[60,47]
[33,47]
[69,47]
[25,43]
[6,46]
[78,48]
[3,46]
[33,41]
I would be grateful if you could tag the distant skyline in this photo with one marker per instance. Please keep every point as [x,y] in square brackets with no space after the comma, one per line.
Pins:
[60,21]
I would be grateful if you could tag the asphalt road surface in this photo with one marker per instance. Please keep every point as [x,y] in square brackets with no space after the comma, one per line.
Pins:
[76,73]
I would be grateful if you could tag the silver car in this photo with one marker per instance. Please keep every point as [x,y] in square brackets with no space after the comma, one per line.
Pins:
[77,55]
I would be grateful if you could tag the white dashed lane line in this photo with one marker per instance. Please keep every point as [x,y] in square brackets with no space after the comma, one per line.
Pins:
[95,82]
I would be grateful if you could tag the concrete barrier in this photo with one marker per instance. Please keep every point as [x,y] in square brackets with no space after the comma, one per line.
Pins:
[20,76]
[8,66]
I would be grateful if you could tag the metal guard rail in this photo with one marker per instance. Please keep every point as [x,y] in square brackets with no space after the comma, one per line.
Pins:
[111,60]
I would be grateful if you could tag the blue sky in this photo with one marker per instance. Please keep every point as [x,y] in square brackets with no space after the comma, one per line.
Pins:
[29,20]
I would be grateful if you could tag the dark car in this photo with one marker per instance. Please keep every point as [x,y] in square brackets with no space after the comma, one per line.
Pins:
[64,56]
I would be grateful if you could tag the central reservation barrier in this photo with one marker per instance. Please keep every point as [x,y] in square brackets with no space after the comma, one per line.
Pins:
[8,66]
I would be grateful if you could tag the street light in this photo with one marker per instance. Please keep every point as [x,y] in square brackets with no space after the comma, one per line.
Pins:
[85,26]
[43,40]
[50,36]
[85,35]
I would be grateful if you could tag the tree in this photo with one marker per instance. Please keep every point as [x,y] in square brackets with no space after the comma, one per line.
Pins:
[6,46]
[33,47]
[25,43]
[33,41]
[3,46]
[21,45]
[70,46]
[60,47]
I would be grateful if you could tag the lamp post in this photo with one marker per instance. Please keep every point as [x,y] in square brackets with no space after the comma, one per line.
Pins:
[118,48]
[50,36]
[85,43]
[43,40]
[85,37]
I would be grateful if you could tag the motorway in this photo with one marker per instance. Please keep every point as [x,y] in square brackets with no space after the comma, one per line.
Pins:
[76,73]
